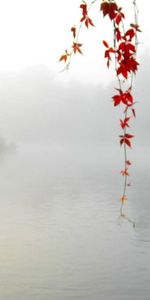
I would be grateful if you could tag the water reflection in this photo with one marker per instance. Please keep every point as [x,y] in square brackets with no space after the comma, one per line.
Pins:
[59,234]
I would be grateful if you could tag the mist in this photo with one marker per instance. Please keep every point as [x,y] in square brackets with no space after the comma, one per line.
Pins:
[60,160]
[73,119]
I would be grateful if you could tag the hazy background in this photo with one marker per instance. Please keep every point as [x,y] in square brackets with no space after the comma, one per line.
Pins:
[38,110]
[61,236]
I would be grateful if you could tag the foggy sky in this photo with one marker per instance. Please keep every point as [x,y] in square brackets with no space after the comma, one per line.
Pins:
[37,108]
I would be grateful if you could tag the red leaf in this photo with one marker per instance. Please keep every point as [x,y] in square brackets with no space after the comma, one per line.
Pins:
[125,139]
[128,162]
[88,21]
[84,9]
[73,29]
[125,172]
[127,142]
[105,8]
[64,56]
[133,111]
[76,47]
[118,34]
[119,17]
[117,99]
[136,27]
[123,198]
[105,44]
[130,33]
[85,17]
[124,123]
[109,8]
[128,136]
[121,141]
[132,65]
[123,71]
[112,10]
[126,47]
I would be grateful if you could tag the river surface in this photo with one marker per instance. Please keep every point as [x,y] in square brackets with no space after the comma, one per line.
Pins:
[61,236]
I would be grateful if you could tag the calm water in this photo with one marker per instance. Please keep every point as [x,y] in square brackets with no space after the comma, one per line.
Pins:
[61,236]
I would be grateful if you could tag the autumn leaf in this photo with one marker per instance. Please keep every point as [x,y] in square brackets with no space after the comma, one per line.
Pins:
[125,172]
[108,52]
[130,34]
[119,16]
[105,44]
[84,10]
[123,198]
[109,8]
[105,8]
[64,57]
[112,10]
[124,98]
[133,112]
[124,123]
[128,162]
[129,136]
[127,65]
[136,27]
[76,47]
[127,98]
[122,70]
[125,139]
[117,99]
[85,18]
[88,22]
[118,34]
[127,48]
[73,29]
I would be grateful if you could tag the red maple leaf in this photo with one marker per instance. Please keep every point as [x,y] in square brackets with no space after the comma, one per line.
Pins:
[127,48]
[125,172]
[124,123]
[84,10]
[76,47]
[105,44]
[85,18]
[119,16]
[108,52]
[105,8]
[125,139]
[109,8]
[88,21]
[128,162]
[133,112]
[127,65]
[112,10]
[125,98]
[117,99]
[118,34]
[73,29]
[122,70]
[130,34]
[64,57]
[136,27]
[123,198]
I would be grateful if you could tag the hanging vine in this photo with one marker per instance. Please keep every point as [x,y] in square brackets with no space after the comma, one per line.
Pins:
[124,53]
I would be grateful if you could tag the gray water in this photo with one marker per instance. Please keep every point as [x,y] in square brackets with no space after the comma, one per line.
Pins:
[61,236]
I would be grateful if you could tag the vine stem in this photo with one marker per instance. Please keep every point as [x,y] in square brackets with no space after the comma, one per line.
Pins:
[126,82]
[77,38]
[125,147]
[120,83]
[125,176]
